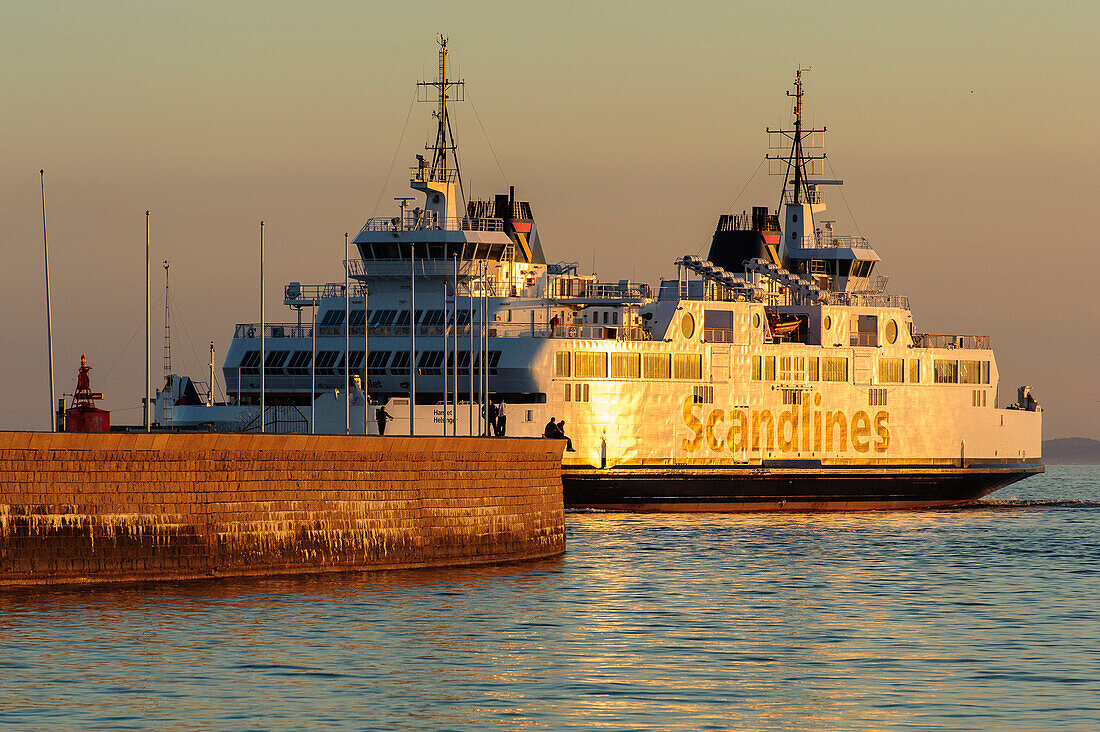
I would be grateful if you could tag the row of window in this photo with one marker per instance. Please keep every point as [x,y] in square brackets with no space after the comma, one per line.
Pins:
[576,392]
[383,318]
[876,397]
[601,365]
[961,372]
[331,363]
[792,368]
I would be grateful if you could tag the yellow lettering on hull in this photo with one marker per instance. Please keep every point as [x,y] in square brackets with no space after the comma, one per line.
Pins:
[795,430]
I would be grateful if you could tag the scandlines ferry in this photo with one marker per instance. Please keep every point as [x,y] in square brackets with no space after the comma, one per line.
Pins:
[777,374]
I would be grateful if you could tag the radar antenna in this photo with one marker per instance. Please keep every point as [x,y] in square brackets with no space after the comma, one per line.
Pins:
[444,89]
[796,142]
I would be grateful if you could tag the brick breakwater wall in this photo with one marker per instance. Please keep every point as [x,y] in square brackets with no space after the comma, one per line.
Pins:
[80,508]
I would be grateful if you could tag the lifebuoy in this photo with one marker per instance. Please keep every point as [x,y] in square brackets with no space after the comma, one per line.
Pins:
[572,331]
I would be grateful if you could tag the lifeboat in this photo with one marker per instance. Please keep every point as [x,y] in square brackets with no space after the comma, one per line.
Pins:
[782,325]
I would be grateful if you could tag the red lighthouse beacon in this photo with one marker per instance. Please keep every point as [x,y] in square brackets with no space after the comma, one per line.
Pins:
[83,415]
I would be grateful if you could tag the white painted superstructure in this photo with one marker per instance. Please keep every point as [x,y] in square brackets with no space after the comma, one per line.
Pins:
[789,364]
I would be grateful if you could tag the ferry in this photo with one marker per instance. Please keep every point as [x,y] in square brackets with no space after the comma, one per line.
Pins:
[777,374]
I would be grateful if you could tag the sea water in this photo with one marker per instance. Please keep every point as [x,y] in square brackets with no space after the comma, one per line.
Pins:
[984,617]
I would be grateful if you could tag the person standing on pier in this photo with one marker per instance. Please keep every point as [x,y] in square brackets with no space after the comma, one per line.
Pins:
[382,416]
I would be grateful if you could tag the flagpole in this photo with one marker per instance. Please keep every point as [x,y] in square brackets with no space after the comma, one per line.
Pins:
[148,378]
[49,316]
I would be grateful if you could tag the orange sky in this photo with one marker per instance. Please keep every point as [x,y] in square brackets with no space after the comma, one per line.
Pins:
[963,132]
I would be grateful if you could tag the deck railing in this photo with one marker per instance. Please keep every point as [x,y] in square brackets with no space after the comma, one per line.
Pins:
[944,340]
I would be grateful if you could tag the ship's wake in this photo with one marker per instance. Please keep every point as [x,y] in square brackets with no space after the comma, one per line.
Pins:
[1009,503]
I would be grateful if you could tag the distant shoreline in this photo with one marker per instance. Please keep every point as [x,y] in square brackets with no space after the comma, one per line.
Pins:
[1071,451]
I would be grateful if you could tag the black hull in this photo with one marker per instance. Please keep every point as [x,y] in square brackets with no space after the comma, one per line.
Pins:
[741,489]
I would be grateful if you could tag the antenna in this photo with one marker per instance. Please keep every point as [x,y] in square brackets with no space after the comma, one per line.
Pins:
[444,89]
[796,161]
[167,327]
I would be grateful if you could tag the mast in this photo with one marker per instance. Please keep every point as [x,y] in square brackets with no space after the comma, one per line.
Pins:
[443,89]
[167,327]
[49,315]
[796,159]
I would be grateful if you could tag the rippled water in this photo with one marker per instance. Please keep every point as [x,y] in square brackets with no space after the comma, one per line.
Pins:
[976,618]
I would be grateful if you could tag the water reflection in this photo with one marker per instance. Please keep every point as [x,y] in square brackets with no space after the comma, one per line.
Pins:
[976,618]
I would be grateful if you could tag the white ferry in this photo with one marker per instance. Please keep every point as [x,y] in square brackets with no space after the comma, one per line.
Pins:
[777,374]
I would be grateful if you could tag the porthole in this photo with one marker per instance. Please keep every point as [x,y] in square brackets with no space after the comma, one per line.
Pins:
[892,332]
[687,325]
[828,322]
[756,320]
[794,217]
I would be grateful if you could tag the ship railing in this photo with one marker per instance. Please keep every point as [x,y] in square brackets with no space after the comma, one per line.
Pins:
[944,340]
[855,299]
[579,288]
[430,221]
[828,241]
[273,330]
[602,332]
[813,196]
[425,174]
[297,292]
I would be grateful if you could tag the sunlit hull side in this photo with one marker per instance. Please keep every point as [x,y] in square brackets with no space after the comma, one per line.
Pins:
[749,489]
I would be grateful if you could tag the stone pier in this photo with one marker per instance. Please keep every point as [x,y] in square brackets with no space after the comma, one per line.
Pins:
[88,508]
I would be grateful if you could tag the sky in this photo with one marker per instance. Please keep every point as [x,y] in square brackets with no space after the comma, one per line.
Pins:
[963,131]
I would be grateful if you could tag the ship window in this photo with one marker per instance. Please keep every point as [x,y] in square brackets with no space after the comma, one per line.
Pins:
[657,365]
[828,322]
[892,332]
[625,366]
[381,318]
[584,392]
[946,372]
[399,366]
[429,362]
[818,266]
[792,368]
[377,360]
[687,366]
[299,363]
[577,392]
[769,368]
[876,397]
[403,318]
[562,361]
[834,368]
[614,318]
[756,320]
[276,359]
[355,360]
[355,317]
[812,369]
[914,371]
[864,330]
[333,317]
[970,372]
[792,396]
[985,372]
[756,368]
[568,392]
[592,365]
[891,370]
[250,359]
[329,361]
[843,266]
[794,217]
[703,395]
[430,318]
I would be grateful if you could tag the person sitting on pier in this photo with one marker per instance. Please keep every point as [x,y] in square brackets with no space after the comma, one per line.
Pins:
[491,414]
[562,436]
[551,429]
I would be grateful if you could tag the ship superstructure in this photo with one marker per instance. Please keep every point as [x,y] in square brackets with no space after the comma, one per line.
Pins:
[778,373]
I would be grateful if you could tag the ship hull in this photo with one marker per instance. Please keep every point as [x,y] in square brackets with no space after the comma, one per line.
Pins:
[748,489]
